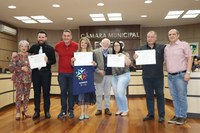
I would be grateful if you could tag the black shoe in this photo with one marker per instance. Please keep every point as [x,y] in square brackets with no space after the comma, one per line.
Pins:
[99,112]
[148,117]
[173,120]
[161,119]
[36,115]
[47,115]
[71,115]
[180,121]
[62,115]
[107,112]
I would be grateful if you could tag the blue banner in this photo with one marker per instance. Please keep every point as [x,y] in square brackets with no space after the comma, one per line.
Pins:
[83,79]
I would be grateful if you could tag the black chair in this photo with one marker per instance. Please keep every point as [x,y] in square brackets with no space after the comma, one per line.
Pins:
[1,70]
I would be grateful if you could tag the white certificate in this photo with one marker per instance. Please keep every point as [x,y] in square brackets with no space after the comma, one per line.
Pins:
[146,57]
[37,61]
[115,60]
[83,58]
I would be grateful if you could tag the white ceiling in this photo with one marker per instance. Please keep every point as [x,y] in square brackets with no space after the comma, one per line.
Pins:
[80,10]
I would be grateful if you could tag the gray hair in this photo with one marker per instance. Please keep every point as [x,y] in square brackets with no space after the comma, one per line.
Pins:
[105,40]
[24,42]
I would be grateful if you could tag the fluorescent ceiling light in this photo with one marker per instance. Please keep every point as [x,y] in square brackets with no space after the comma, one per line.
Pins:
[175,12]
[193,12]
[44,21]
[96,15]
[100,4]
[115,19]
[12,7]
[98,19]
[69,18]
[190,15]
[114,14]
[172,17]
[38,17]
[55,5]
[29,21]
[148,1]
[22,17]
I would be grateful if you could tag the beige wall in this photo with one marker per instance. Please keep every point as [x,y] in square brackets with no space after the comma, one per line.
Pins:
[188,33]
[8,44]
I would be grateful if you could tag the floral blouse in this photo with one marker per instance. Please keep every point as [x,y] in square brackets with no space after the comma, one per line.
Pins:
[16,65]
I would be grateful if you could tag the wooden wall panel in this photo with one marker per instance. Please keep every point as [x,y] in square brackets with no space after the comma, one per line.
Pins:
[8,44]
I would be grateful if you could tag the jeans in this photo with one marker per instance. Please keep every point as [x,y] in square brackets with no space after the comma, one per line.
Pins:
[157,84]
[103,88]
[178,90]
[119,84]
[65,83]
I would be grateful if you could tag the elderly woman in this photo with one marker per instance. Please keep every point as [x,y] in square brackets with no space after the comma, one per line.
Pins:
[21,77]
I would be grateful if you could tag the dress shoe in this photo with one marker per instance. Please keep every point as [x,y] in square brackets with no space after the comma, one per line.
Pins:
[161,119]
[25,115]
[71,115]
[124,114]
[148,117]
[99,112]
[47,115]
[36,115]
[107,112]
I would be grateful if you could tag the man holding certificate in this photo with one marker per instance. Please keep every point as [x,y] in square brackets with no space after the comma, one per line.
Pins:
[152,75]
[41,76]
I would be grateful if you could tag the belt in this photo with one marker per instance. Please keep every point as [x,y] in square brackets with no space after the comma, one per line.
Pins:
[177,72]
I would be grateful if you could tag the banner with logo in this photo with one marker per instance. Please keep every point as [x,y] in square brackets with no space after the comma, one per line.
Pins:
[83,79]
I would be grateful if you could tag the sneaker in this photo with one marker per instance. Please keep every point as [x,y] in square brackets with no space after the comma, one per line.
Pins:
[71,115]
[99,112]
[180,121]
[62,115]
[86,116]
[148,117]
[173,120]
[161,119]
[81,117]
[107,112]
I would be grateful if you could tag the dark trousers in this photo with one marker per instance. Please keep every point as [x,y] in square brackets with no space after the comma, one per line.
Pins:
[157,84]
[41,80]
[65,82]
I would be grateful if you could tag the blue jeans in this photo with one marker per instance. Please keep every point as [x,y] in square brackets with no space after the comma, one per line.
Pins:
[65,83]
[178,90]
[119,84]
[157,84]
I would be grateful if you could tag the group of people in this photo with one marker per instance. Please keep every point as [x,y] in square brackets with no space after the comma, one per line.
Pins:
[177,56]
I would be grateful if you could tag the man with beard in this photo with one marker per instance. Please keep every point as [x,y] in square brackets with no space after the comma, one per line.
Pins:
[41,77]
